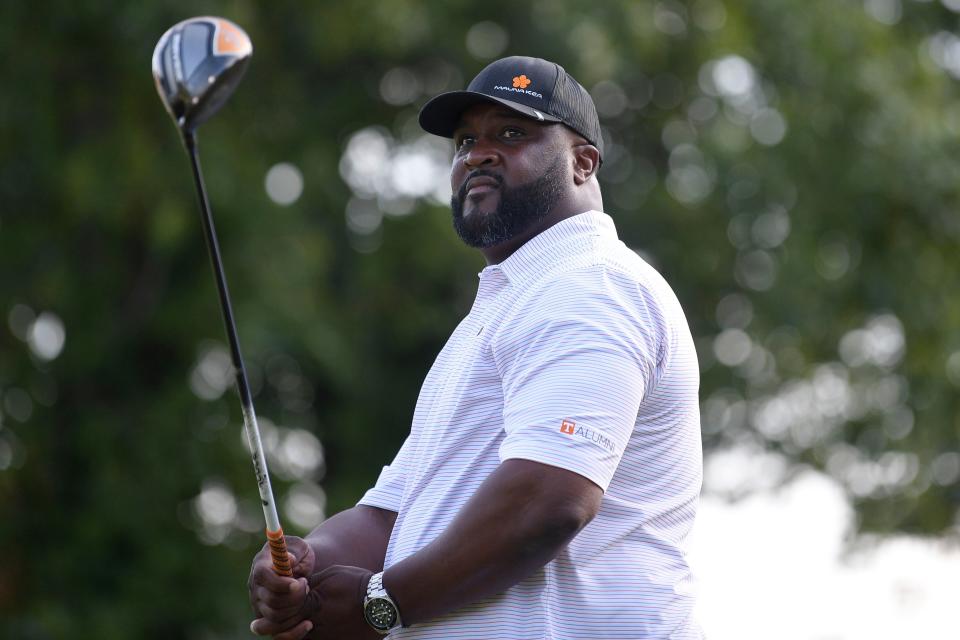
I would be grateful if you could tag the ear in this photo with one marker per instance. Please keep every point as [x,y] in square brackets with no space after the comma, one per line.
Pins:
[586,161]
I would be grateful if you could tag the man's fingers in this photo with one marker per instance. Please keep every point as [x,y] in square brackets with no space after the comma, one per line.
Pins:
[276,600]
[298,632]
[281,615]
[265,576]
[263,627]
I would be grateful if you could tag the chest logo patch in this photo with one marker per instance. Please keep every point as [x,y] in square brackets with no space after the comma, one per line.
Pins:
[567,426]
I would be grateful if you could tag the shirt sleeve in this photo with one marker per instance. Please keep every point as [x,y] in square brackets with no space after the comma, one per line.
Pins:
[575,365]
[387,493]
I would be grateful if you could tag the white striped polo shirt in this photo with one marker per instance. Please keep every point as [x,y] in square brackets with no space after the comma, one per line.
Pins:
[576,354]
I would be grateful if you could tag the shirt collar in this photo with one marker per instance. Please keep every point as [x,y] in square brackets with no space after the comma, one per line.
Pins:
[560,243]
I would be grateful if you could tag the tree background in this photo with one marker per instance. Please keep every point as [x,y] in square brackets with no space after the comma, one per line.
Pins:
[788,165]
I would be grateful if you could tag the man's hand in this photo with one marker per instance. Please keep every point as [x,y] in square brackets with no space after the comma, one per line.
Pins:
[279,602]
[335,604]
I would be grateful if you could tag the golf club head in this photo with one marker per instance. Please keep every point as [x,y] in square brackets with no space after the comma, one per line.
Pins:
[197,64]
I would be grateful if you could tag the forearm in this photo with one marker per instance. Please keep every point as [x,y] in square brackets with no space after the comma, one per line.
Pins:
[520,518]
[357,537]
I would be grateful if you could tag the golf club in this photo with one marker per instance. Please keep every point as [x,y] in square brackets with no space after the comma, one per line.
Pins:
[197,64]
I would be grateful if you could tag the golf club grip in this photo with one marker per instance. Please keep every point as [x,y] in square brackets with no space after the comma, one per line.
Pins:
[278,553]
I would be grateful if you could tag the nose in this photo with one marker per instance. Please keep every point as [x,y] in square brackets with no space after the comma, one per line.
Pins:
[481,154]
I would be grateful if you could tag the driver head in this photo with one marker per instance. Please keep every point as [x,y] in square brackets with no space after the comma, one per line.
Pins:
[196,66]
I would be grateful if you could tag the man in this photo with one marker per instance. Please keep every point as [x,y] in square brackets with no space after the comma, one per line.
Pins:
[552,470]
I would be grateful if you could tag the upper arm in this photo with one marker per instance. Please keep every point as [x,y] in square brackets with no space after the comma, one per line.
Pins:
[565,500]
[385,517]
[357,536]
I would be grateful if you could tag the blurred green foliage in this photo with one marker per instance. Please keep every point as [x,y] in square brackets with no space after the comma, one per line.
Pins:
[790,166]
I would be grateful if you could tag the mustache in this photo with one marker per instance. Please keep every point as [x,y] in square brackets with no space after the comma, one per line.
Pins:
[477,173]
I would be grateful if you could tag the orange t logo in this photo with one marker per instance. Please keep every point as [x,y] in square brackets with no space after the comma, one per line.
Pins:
[567,427]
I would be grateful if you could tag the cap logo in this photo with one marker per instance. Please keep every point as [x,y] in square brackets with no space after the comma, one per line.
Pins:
[521,81]
[520,84]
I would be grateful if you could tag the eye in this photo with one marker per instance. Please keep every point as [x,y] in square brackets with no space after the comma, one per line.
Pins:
[463,140]
[512,132]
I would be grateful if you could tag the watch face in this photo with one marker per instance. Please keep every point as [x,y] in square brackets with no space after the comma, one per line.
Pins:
[380,613]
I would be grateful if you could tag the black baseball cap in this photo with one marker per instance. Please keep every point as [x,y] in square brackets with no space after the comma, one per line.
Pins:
[537,88]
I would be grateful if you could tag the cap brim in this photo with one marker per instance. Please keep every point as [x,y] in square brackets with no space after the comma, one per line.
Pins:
[441,115]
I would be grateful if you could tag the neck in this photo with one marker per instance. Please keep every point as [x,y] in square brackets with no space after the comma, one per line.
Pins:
[563,210]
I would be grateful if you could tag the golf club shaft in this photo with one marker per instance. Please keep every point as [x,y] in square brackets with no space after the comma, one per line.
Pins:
[278,546]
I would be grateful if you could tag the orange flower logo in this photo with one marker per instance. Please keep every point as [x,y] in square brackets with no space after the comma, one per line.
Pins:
[521,82]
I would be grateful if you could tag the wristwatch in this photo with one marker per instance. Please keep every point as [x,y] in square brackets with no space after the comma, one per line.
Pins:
[379,609]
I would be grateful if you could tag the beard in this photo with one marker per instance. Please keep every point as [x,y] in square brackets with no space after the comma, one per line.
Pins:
[517,210]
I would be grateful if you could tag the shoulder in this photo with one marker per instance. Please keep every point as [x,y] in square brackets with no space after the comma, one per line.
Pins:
[597,302]
[612,283]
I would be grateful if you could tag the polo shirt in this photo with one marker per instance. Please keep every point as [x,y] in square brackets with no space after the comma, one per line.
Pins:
[575,354]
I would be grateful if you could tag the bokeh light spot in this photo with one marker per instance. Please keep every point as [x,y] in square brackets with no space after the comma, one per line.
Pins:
[486,40]
[284,183]
[886,12]
[46,336]
[670,17]
[709,15]
[299,455]
[6,454]
[945,468]
[17,404]
[756,270]
[953,5]
[733,76]
[835,256]
[20,319]
[609,98]
[734,311]
[213,373]
[953,368]
[400,86]
[768,127]
[771,229]
[363,216]
[305,505]
[880,342]
[732,347]
[215,507]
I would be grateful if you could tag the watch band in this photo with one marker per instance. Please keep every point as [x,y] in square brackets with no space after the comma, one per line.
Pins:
[378,607]
[375,586]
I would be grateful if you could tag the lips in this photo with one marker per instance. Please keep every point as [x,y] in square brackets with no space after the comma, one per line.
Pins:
[480,184]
